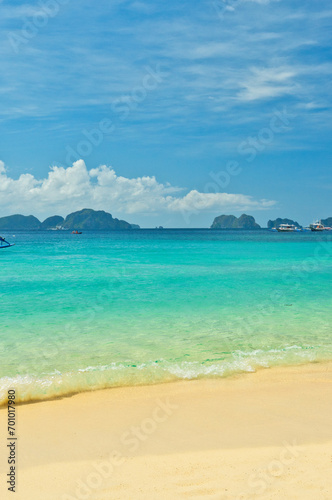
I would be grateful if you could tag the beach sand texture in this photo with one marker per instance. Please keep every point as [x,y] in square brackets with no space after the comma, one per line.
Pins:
[266,435]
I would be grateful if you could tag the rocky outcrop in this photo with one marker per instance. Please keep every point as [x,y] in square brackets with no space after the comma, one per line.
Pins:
[88,219]
[273,224]
[232,222]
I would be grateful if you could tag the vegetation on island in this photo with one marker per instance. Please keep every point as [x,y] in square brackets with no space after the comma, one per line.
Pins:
[19,223]
[52,222]
[92,220]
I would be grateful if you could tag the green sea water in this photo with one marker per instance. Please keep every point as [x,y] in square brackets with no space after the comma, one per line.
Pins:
[84,312]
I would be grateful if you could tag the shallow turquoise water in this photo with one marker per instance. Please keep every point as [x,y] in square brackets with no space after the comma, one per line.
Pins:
[81,312]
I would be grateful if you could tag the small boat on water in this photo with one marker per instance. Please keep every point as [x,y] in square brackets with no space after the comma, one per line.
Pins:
[287,228]
[4,243]
[317,226]
[76,232]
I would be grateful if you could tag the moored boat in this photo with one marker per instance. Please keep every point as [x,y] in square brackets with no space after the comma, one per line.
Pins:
[286,228]
[317,226]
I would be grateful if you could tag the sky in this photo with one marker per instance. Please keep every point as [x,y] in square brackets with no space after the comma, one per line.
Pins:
[166,113]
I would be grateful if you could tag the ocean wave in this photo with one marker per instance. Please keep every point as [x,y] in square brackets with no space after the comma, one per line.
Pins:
[57,384]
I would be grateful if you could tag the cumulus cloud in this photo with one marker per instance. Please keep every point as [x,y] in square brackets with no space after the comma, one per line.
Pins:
[68,189]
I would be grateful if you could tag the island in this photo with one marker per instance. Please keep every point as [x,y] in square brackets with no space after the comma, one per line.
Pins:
[53,222]
[86,219]
[19,223]
[274,224]
[232,222]
[327,222]
[92,220]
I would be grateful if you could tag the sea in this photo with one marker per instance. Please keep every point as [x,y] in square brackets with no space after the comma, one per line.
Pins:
[124,308]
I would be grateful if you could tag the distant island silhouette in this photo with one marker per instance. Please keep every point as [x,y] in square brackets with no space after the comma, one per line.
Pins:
[99,220]
[83,220]
[232,222]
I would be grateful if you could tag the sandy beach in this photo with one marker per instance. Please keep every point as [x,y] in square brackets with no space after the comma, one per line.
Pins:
[265,435]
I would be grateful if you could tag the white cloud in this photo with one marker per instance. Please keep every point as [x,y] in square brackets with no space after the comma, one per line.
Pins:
[266,83]
[73,188]
[213,201]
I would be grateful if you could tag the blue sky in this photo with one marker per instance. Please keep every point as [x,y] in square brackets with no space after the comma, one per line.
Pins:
[171,113]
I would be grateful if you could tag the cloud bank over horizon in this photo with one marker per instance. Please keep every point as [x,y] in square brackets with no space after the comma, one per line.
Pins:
[65,190]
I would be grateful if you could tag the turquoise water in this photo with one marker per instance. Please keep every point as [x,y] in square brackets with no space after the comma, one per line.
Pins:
[83,312]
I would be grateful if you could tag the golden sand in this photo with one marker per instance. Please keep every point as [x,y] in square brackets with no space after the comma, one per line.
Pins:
[266,435]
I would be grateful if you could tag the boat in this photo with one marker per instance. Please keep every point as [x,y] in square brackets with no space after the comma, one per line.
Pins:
[317,226]
[4,243]
[76,232]
[286,228]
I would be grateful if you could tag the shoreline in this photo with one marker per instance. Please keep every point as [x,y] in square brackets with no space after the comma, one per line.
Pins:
[267,435]
[31,399]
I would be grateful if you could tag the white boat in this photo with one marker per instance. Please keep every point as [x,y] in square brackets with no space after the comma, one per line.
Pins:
[286,228]
[317,226]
